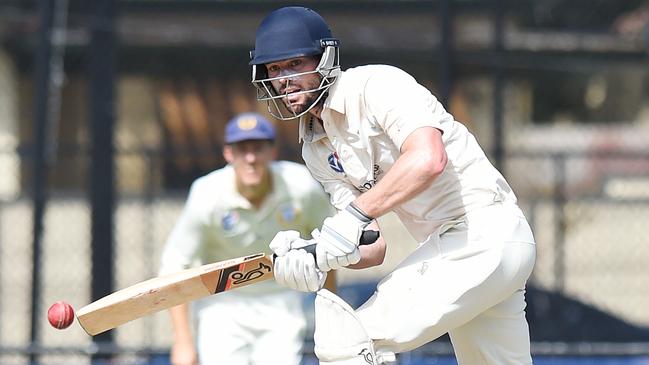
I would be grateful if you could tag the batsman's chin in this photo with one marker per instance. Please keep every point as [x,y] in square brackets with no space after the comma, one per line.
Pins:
[296,108]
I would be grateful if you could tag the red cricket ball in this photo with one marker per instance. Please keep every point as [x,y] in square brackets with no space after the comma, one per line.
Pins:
[60,315]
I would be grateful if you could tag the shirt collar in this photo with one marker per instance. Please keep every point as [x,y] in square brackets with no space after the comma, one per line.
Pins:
[336,100]
[312,131]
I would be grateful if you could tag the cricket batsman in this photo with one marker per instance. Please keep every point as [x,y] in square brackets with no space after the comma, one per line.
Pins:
[378,142]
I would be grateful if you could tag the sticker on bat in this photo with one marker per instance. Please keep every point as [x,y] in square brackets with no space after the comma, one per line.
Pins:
[240,278]
[236,276]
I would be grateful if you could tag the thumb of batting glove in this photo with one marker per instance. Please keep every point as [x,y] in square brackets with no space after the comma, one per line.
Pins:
[282,242]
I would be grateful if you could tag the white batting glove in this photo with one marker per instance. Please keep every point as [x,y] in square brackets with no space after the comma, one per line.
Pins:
[297,269]
[283,241]
[338,240]
[294,267]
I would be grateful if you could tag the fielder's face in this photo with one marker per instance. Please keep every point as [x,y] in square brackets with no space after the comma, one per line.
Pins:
[250,161]
[294,78]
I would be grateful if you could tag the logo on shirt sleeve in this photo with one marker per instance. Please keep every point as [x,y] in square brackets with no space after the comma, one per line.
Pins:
[335,163]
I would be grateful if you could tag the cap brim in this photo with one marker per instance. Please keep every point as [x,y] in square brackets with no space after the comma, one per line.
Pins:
[249,137]
[284,56]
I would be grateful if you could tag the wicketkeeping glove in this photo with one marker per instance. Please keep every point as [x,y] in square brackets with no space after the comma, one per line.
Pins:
[339,237]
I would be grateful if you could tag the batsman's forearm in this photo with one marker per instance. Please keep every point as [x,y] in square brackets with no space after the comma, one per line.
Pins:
[409,176]
[423,158]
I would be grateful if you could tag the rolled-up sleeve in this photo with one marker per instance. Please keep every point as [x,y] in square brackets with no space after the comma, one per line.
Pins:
[401,105]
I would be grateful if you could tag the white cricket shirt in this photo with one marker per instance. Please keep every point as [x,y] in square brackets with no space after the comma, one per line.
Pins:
[217,223]
[367,116]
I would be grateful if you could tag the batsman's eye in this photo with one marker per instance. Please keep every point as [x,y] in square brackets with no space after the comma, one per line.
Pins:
[296,62]
[272,69]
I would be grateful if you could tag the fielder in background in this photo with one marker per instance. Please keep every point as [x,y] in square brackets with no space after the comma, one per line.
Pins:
[378,142]
[233,212]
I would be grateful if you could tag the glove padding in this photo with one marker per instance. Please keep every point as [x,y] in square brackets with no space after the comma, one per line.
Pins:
[297,270]
[294,267]
[338,240]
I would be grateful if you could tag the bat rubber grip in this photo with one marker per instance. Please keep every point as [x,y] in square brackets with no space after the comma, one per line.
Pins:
[369,237]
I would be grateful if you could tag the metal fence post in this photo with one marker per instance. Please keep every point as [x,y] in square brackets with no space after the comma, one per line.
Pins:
[101,76]
[40,166]
[498,83]
[446,53]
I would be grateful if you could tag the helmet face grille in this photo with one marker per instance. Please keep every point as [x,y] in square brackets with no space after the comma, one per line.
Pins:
[328,70]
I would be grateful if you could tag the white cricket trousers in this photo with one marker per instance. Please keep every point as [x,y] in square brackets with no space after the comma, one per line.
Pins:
[251,329]
[470,282]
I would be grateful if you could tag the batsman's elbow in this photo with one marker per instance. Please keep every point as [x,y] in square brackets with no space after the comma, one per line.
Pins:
[431,165]
[425,149]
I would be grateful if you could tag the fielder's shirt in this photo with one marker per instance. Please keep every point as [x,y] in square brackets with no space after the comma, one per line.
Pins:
[368,114]
[217,223]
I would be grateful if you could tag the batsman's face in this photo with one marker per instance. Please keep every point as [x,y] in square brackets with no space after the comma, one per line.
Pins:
[250,160]
[294,78]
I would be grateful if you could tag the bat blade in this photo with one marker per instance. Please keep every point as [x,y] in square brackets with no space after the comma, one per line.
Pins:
[167,291]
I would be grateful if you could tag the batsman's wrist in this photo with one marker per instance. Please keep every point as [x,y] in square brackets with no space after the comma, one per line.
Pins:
[358,213]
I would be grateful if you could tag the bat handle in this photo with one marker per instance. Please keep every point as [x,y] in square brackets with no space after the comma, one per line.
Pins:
[367,238]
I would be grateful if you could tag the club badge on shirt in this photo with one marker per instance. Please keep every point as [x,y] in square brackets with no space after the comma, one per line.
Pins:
[335,163]
[287,213]
[229,220]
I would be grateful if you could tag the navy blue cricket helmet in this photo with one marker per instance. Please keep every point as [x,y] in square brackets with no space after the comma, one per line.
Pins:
[287,33]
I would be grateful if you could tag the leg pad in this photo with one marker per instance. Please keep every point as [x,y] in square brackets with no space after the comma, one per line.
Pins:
[340,338]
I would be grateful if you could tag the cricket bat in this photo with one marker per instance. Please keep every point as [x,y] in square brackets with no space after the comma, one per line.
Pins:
[170,290]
